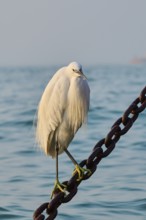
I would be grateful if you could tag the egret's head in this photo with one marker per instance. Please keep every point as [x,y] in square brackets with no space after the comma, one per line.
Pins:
[76,68]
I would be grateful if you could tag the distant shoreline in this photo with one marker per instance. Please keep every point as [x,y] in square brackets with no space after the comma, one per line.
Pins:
[137,60]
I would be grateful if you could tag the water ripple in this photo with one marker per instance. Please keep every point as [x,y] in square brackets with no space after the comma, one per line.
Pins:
[116,191]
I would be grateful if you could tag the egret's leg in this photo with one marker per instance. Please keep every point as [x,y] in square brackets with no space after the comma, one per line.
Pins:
[57,149]
[80,170]
[57,184]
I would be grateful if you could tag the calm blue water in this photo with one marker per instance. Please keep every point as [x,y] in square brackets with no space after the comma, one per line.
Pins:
[117,190]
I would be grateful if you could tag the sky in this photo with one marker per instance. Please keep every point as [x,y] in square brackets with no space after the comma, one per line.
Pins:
[50,32]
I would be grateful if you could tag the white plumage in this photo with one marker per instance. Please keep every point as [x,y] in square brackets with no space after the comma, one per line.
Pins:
[62,109]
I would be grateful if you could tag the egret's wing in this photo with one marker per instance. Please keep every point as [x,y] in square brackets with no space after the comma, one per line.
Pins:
[79,98]
[51,109]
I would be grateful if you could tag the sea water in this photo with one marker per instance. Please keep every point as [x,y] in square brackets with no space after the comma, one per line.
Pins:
[117,190]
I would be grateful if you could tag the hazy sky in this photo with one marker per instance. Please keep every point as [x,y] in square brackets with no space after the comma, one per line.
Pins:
[45,32]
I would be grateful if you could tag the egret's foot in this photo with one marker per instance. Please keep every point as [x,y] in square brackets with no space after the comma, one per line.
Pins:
[81,171]
[58,187]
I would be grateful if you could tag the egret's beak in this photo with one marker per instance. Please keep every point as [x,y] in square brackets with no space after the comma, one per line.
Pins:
[82,74]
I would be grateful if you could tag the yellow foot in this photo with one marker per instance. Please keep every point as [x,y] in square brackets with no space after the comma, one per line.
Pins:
[58,187]
[81,171]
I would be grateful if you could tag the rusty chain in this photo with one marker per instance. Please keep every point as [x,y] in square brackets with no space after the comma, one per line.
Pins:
[101,150]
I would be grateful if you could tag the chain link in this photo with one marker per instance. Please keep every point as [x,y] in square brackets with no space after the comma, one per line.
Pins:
[101,150]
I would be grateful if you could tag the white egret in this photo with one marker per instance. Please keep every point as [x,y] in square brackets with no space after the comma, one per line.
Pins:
[62,110]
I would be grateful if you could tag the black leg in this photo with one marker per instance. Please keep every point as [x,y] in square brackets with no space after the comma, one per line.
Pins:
[57,149]
[81,171]
[71,157]
[57,185]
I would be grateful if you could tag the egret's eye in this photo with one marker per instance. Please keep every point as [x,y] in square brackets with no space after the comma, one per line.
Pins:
[76,71]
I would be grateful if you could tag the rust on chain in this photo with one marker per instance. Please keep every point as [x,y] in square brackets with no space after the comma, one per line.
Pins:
[101,150]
